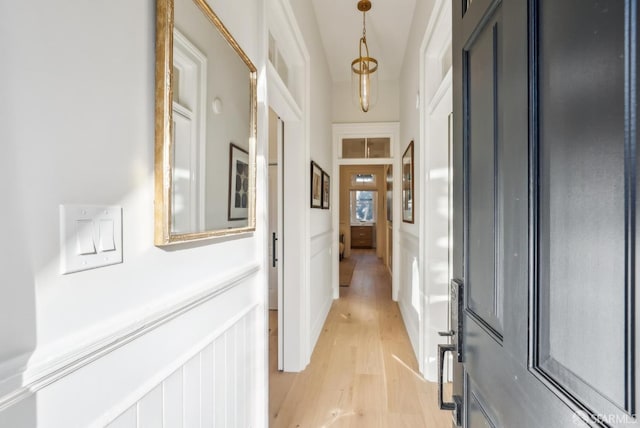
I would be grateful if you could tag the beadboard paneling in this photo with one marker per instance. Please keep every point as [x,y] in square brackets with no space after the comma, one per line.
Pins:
[409,293]
[212,389]
[321,288]
[150,409]
[128,419]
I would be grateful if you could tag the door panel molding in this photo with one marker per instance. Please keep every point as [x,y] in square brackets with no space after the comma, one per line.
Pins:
[477,412]
[585,392]
[482,178]
[475,19]
[590,122]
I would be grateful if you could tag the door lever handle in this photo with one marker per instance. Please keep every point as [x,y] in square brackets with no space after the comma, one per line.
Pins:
[447,333]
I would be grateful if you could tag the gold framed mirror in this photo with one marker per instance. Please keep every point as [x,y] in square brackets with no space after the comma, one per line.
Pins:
[205,127]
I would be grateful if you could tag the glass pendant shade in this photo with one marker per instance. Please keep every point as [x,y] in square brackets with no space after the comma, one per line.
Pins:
[364,79]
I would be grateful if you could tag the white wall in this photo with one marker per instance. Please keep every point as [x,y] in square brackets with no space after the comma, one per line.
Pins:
[410,293]
[321,232]
[78,127]
[386,109]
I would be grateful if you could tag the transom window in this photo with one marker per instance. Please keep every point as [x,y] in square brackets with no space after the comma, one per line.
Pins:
[363,180]
[366,148]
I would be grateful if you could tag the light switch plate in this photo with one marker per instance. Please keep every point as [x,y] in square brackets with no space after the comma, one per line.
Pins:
[90,237]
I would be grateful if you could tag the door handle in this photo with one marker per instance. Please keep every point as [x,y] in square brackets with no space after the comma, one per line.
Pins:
[456,334]
[456,405]
[274,259]
[442,350]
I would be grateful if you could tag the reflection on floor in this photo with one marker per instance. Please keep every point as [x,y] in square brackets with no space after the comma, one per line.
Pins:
[363,372]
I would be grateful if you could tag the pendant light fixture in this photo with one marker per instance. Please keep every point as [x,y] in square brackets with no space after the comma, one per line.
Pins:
[363,77]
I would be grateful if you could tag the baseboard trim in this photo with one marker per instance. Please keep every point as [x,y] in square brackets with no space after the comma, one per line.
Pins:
[316,329]
[412,332]
[37,376]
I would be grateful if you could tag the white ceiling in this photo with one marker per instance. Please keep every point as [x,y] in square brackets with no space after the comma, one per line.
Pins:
[388,25]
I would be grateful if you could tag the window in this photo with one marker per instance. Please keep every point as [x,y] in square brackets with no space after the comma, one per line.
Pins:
[363,180]
[363,206]
[278,62]
[378,147]
[368,148]
[354,148]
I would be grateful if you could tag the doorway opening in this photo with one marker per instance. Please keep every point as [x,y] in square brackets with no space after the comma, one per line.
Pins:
[365,216]
[276,231]
[365,158]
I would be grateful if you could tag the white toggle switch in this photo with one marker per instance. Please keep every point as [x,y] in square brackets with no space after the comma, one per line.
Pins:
[106,236]
[90,237]
[84,237]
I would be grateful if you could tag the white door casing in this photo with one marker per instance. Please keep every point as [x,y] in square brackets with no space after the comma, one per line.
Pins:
[189,116]
[290,100]
[435,103]
[389,130]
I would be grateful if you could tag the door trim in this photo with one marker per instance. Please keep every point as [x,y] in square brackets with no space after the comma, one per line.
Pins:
[295,112]
[389,130]
[436,41]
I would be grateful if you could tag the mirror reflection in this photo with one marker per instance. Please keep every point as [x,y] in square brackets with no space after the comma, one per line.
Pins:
[206,151]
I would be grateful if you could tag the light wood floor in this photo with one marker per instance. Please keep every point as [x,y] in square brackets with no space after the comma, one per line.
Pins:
[363,371]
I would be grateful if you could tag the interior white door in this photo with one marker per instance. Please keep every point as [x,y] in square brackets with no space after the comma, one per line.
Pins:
[273,235]
[276,226]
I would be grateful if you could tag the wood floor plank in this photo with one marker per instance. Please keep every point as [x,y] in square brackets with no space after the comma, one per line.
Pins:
[369,358]
[369,401]
[363,371]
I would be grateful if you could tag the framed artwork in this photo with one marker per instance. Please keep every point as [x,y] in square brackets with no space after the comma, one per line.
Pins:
[316,185]
[390,193]
[407,184]
[326,191]
[238,183]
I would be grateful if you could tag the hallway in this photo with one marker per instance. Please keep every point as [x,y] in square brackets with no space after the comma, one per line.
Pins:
[363,372]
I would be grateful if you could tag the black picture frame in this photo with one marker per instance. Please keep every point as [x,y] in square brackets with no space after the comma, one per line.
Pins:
[408,200]
[326,191]
[239,191]
[389,182]
[316,185]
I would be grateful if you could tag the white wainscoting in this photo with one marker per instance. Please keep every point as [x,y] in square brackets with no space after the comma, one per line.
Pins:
[196,362]
[214,388]
[321,293]
[409,293]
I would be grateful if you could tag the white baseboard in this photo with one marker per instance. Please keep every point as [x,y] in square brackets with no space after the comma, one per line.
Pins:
[412,328]
[318,325]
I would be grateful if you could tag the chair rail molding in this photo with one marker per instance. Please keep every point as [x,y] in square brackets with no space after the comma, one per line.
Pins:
[49,365]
